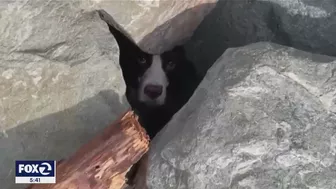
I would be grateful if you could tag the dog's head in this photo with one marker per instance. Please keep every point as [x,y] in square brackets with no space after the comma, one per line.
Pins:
[157,73]
[150,75]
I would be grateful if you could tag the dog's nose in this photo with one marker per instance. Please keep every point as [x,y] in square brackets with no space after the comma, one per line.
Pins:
[153,91]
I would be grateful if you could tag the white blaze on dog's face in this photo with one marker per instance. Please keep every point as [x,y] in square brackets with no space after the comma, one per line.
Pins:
[153,83]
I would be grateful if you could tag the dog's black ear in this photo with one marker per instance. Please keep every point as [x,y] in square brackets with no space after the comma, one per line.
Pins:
[125,42]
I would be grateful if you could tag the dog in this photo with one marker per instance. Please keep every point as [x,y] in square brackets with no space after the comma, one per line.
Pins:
[157,85]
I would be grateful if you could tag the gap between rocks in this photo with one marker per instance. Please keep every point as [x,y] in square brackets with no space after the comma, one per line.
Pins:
[153,120]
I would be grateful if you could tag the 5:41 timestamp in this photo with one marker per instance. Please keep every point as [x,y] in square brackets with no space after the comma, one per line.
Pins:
[34,180]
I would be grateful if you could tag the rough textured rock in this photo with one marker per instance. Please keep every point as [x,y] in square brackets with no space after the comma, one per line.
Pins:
[303,24]
[158,25]
[60,81]
[264,117]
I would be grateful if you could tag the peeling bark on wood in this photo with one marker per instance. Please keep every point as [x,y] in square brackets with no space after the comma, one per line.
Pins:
[104,161]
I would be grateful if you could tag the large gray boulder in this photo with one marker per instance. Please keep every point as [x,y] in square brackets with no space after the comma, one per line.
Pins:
[264,117]
[60,81]
[307,25]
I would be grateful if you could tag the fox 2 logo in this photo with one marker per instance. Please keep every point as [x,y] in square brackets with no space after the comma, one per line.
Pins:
[35,168]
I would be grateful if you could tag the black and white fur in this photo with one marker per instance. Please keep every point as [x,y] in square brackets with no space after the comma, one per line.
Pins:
[157,85]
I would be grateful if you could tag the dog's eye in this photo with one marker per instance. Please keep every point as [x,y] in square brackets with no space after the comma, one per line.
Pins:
[142,60]
[170,65]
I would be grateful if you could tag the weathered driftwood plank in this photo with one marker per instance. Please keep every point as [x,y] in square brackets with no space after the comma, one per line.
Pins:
[104,161]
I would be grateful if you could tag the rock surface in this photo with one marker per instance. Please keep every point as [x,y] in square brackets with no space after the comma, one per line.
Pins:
[307,25]
[158,25]
[60,81]
[264,117]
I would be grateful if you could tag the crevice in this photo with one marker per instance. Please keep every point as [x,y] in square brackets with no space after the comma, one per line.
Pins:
[182,79]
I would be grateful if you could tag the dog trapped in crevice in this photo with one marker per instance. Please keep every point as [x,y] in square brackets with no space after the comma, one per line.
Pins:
[158,85]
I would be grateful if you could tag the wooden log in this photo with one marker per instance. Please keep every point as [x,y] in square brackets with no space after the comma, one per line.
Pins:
[103,162]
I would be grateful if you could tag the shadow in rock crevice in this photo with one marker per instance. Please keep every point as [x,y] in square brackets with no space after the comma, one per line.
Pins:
[155,119]
[239,23]
[57,135]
